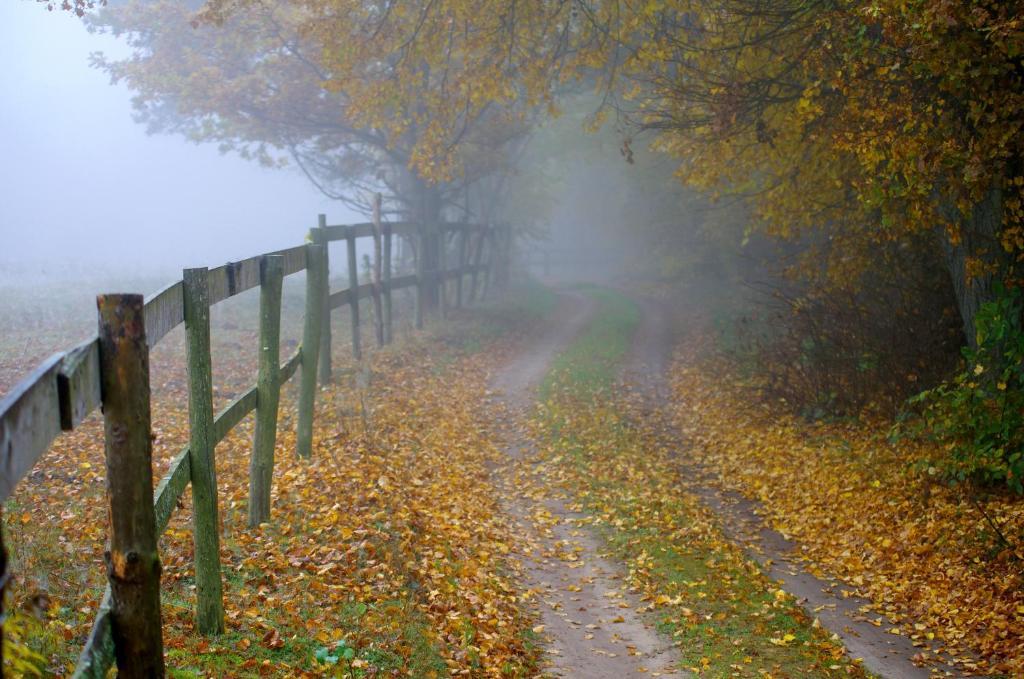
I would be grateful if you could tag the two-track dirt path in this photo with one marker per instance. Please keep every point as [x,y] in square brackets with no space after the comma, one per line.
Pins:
[885,654]
[590,621]
[589,618]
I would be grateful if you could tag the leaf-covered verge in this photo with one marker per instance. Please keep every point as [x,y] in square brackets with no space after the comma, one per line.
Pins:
[613,461]
[865,511]
[386,556]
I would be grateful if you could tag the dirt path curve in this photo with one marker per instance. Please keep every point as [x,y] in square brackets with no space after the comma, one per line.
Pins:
[590,621]
[887,655]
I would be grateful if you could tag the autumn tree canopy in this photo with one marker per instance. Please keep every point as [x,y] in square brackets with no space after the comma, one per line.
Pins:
[863,123]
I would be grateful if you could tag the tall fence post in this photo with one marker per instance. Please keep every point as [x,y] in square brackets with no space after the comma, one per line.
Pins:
[421,281]
[442,272]
[386,274]
[353,287]
[315,276]
[133,565]
[206,525]
[268,389]
[378,303]
[463,235]
[325,363]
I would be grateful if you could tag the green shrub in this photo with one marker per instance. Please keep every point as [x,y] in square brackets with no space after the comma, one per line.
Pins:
[978,416]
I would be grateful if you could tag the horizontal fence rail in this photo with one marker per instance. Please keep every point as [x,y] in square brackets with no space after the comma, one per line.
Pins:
[66,388]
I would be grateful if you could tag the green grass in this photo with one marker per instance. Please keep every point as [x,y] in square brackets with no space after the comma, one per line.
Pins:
[726,617]
[591,363]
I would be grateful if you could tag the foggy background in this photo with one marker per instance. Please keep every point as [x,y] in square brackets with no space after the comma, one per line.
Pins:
[86,191]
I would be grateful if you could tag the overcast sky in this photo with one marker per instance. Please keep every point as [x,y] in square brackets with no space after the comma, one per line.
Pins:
[83,185]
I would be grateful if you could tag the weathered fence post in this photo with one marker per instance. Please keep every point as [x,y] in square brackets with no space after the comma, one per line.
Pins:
[442,272]
[133,565]
[206,526]
[463,235]
[325,362]
[387,283]
[421,281]
[378,305]
[353,288]
[268,389]
[315,276]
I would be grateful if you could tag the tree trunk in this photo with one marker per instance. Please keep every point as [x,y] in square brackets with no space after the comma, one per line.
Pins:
[974,257]
[425,209]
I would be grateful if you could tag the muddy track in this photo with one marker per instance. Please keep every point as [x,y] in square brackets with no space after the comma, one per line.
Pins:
[590,624]
[887,655]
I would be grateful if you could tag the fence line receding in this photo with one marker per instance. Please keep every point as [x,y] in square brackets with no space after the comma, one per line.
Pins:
[111,370]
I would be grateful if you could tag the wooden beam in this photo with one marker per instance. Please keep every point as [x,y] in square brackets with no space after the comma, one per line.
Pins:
[353,301]
[378,302]
[310,348]
[97,656]
[133,565]
[386,282]
[202,442]
[234,412]
[29,421]
[78,383]
[165,311]
[170,489]
[268,385]
[289,367]
[324,362]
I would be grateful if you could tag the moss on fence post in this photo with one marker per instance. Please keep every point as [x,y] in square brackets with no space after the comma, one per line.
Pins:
[202,441]
[268,385]
[315,276]
[324,366]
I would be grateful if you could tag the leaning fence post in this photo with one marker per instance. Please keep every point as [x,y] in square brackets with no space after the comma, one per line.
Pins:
[325,367]
[421,283]
[205,523]
[353,289]
[268,389]
[386,274]
[315,276]
[378,303]
[133,565]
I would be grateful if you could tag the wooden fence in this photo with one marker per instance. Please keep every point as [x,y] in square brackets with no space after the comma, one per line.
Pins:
[111,370]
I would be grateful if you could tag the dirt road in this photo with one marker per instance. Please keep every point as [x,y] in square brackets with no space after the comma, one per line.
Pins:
[885,654]
[590,624]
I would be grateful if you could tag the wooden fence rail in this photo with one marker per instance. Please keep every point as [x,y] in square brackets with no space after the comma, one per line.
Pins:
[112,369]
